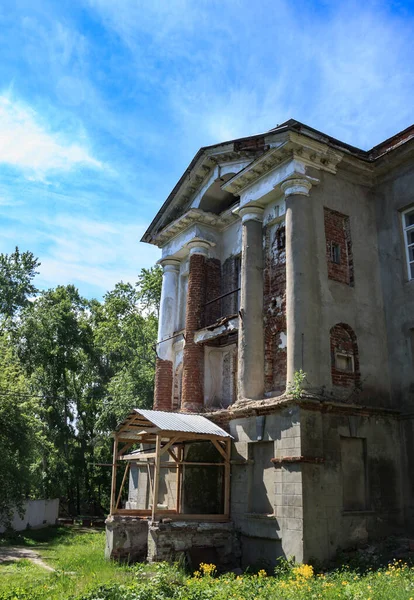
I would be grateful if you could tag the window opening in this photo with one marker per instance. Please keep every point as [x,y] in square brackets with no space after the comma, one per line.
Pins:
[281,238]
[344,362]
[336,253]
[408,223]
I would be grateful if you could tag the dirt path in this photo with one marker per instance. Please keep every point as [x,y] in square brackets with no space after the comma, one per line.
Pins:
[8,554]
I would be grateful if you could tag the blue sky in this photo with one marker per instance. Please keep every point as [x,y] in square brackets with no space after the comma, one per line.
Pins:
[103,103]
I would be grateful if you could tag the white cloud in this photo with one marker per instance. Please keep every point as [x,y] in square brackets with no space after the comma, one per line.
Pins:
[234,69]
[26,143]
[96,253]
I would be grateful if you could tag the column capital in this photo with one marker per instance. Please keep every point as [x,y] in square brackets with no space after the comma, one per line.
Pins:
[300,185]
[169,264]
[199,247]
[251,213]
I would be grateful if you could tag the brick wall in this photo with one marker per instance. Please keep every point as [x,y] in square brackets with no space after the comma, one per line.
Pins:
[275,308]
[338,232]
[343,340]
[230,283]
[177,387]
[193,359]
[163,384]
[213,290]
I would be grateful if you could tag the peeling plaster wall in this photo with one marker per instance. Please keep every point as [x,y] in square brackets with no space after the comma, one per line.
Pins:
[393,195]
[359,306]
[230,241]
[219,382]
[275,305]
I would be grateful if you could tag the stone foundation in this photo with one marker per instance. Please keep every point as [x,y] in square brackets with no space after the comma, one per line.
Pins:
[168,541]
[126,538]
[133,539]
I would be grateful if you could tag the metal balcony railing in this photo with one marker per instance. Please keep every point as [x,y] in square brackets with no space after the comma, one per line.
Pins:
[223,306]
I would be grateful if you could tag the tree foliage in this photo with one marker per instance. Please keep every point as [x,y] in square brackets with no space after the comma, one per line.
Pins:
[77,367]
[17,271]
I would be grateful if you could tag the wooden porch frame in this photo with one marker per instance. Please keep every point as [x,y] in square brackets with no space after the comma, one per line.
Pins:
[171,442]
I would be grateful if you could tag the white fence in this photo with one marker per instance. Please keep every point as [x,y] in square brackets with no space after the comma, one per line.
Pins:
[38,513]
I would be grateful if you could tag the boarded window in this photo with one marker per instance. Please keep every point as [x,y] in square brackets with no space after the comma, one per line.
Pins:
[263,478]
[353,460]
[338,247]
[344,356]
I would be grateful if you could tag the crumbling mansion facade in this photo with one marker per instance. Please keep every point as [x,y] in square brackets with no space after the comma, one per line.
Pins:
[287,318]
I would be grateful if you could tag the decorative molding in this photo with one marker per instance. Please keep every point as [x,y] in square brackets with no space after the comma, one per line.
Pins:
[309,152]
[199,246]
[279,461]
[251,213]
[191,217]
[169,264]
[301,185]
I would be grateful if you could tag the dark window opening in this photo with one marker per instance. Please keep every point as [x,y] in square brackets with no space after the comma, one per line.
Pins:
[354,474]
[281,238]
[336,253]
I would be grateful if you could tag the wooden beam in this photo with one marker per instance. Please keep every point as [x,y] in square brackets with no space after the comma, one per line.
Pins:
[127,446]
[220,449]
[113,483]
[186,517]
[173,455]
[227,479]
[156,477]
[179,480]
[150,479]
[169,444]
[137,457]
[143,512]
[122,485]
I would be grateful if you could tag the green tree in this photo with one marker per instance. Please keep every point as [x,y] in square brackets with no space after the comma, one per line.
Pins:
[55,345]
[21,435]
[125,338]
[17,271]
[149,289]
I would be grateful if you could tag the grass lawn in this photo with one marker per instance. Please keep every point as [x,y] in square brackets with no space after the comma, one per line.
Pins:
[77,557]
[81,572]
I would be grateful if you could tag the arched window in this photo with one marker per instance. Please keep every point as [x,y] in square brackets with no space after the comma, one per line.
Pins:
[344,356]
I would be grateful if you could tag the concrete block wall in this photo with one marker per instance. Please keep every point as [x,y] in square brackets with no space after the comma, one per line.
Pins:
[139,491]
[328,525]
[267,498]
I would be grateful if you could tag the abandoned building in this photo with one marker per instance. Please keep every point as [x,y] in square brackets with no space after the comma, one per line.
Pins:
[287,320]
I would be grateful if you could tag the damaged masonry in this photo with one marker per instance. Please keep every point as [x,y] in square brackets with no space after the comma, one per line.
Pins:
[287,320]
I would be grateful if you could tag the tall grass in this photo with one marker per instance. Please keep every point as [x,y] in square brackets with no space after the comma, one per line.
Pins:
[76,556]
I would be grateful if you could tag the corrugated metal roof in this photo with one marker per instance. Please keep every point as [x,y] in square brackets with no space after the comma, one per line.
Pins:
[179,422]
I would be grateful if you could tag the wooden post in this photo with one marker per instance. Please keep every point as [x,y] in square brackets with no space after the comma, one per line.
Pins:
[227,479]
[156,476]
[179,479]
[113,486]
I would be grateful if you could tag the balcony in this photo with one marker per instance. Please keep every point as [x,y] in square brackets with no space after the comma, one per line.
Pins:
[221,317]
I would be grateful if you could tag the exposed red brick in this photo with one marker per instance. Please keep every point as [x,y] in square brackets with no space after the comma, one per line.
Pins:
[193,358]
[213,290]
[337,231]
[343,339]
[230,282]
[163,384]
[275,309]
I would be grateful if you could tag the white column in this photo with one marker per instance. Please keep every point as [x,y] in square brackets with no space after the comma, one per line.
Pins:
[168,307]
[251,334]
